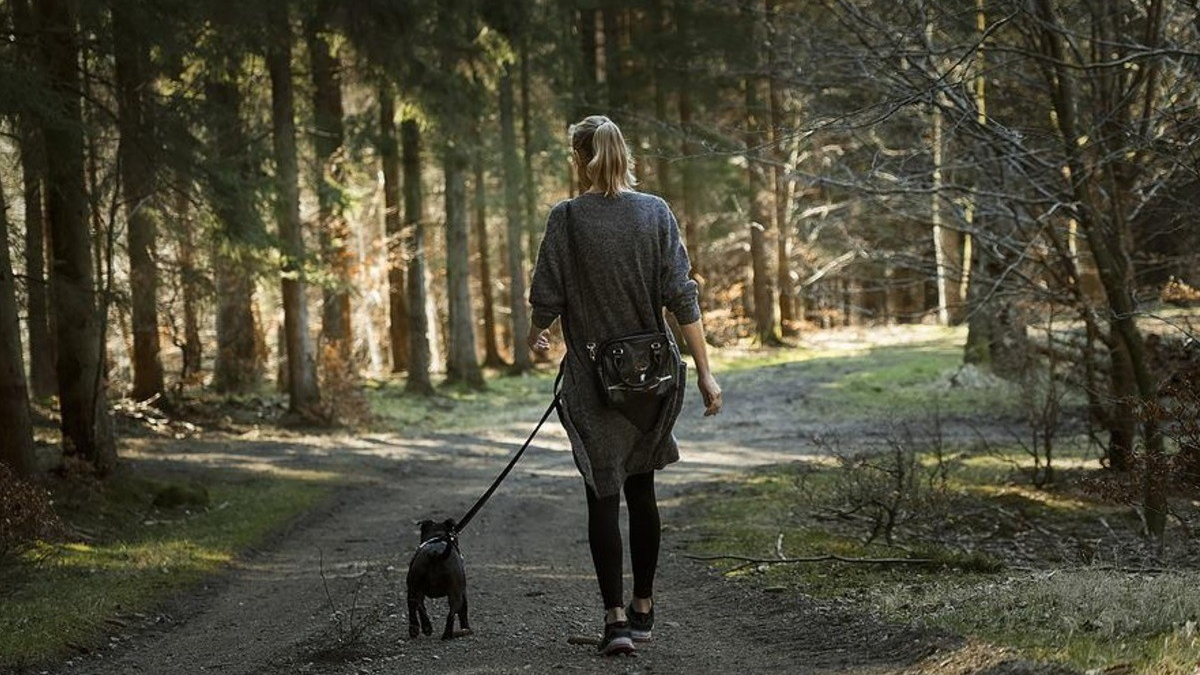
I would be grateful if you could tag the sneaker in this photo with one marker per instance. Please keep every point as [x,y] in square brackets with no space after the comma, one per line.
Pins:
[617,639]
[640,624]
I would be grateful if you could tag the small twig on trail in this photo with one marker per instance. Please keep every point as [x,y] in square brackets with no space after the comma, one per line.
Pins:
[351,624]
[779,547]
[1111,532]
[1026,520]
[748,561]
[1123,569]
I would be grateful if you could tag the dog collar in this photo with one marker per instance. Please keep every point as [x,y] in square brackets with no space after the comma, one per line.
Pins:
[448,538]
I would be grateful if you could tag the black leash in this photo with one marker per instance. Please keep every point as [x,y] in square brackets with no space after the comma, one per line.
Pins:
[462,523]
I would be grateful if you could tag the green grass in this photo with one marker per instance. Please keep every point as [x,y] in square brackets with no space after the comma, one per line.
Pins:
[461,408]
[1090,618]
[905,380]
[908,376]
[1087,617]
[135,556]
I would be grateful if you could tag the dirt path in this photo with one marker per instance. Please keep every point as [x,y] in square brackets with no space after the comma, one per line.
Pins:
[529,574]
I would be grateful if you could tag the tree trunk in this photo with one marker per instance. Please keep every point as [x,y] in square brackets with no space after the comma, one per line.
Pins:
[946,251]
[137,141]
[662,87]
[588,76]
[941,271]
[690,187]
[328,139]
[191,349]
[995,331]
[782,182]
[418,323]
[237,367]
[491,349]
[1107,241]
[614,68]
[1121,413]
[528,182]
[462,364]
[765,327]
[16,443]
[42,379]
[389,153]
[519,313]
[102,234]
[304,396]
[86,428]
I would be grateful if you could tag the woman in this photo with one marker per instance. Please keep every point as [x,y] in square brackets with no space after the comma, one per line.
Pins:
[619,251]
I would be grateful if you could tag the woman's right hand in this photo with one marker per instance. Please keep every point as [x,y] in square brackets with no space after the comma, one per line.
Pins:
[710,392]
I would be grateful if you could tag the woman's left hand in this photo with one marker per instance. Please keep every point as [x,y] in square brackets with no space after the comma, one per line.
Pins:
[539,339]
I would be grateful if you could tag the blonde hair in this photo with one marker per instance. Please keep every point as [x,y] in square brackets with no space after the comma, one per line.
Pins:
[602,158]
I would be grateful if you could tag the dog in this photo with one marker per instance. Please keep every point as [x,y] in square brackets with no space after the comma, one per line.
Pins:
[437,570]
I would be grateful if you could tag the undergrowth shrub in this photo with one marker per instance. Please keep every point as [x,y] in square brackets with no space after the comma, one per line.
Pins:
[353,616]
[1183,399]
[1174,474]
[891,487]
[1177,409]
[345,400]
[26,516]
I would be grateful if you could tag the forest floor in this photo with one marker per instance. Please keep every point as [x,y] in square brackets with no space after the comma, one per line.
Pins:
[530,579]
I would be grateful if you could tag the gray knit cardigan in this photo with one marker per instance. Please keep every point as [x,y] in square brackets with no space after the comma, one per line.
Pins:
[628,247]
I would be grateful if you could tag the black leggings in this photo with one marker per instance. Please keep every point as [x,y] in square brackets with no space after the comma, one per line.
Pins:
[604,537]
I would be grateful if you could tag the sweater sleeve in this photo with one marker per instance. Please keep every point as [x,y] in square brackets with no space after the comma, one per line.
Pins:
[681,294]
[547,292]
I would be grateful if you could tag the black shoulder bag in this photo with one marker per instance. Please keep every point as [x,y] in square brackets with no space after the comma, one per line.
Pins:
[630,368]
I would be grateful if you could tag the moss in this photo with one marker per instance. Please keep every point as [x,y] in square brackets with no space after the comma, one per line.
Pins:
[136,554]
[191,495]
[463,408]
[1148,621]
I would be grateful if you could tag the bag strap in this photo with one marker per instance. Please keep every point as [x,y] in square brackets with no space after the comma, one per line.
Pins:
[579,274]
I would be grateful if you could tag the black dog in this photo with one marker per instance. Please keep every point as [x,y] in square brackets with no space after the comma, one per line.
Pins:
[437,570]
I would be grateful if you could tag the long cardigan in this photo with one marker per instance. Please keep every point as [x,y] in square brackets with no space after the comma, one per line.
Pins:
[628,247]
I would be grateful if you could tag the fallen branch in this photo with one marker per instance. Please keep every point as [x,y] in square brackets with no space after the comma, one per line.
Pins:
[748,561]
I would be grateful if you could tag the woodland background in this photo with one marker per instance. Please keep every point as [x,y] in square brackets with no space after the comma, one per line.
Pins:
[221,197]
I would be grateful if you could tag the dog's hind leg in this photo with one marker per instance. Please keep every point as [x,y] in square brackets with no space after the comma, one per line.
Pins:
[463,622]
[426,624]
[418,618]
[416,608]
[456,601]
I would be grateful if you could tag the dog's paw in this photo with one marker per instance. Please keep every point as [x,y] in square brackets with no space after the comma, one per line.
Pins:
[413,631]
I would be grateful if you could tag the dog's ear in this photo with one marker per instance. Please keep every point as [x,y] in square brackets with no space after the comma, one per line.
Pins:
[424,526]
